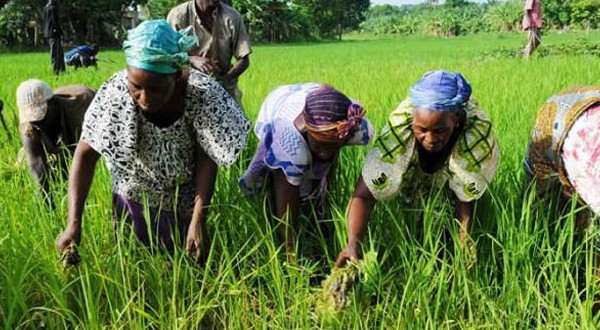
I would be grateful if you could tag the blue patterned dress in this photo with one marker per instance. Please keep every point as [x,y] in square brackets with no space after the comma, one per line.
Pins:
[282,146]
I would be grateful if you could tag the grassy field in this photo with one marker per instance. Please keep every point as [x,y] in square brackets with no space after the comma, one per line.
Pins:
[532,269]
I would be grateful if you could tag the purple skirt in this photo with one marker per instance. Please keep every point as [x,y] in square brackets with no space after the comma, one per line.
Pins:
[163,228]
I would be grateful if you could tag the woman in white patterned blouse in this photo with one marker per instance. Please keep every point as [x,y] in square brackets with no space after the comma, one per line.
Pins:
[163,129]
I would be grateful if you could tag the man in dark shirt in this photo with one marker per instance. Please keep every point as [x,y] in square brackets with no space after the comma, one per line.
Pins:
[53,32]
[50,125]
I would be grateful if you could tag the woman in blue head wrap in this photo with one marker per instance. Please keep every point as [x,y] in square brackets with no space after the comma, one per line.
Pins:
[437,137]
[163,129]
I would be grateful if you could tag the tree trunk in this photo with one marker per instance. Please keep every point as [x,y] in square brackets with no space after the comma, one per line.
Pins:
[36,34]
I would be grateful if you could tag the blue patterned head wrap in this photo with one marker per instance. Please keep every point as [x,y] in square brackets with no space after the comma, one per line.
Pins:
[440,91]
[155,46]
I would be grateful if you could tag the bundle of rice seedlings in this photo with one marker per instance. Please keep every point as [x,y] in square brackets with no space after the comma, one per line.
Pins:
[338,288]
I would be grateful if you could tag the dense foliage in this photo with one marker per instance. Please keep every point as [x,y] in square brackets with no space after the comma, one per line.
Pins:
[100,20]
[293,20]
[82,20]
[459,17]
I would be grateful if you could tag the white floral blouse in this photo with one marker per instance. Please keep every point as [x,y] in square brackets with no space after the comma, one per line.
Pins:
[151,164]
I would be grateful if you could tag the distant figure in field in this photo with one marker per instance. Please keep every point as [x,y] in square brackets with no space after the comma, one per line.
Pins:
[563,157]
[82,56]
[221,36]
[53,33]
[4,122]
[50,126]
[436,138]
[302,129]
[163,130]
[532,22]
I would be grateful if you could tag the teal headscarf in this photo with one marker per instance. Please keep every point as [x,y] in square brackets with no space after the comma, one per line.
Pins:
[155,46]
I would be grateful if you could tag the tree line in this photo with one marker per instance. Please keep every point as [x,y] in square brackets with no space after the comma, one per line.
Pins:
[105,21]
[458,17]
[101,21]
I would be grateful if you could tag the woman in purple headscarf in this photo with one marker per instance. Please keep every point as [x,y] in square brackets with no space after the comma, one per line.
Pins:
[301,129]
[436,137]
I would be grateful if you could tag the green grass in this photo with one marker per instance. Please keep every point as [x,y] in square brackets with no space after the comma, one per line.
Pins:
[533,268]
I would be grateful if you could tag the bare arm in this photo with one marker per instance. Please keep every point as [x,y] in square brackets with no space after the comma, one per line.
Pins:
[237,69]
[464,213]
[205,176]
[80,181]
[361,205]
[286,206]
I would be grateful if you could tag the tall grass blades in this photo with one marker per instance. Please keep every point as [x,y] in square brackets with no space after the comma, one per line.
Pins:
[533,268]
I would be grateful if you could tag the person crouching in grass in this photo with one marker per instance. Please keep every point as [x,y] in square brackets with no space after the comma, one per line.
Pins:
[436,137]
[163,129]
[301,129]
[50,126]
[563,156]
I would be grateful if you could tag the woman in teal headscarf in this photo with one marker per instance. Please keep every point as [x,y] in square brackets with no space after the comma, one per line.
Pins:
[163,129]
[436,137]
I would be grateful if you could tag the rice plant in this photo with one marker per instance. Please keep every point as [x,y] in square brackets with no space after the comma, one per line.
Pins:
[533,268]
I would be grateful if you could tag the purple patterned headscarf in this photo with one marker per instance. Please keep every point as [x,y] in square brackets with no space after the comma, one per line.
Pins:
[440,91]
[330,115]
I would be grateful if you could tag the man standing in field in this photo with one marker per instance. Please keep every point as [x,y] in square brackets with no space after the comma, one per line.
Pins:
[53,32]
[532,22]
[221,36]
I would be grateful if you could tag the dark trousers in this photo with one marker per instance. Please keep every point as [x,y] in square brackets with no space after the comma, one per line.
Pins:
[57,55]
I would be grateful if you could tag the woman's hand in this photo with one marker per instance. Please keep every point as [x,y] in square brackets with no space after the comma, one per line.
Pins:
[350,253]
[196,243]
[72,234]
[67,246]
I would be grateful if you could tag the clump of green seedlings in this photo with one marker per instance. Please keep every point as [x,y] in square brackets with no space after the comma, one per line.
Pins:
[340,286]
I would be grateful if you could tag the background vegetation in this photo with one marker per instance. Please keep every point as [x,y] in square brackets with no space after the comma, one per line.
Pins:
[105,21]
[461,17]
[533,268]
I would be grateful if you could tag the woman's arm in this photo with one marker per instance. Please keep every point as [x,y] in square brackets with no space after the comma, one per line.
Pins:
[80,181]
[464,213]
[361,205]
[286,209]
[205,176]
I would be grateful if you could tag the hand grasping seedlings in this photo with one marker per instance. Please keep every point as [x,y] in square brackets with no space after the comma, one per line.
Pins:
[336,290]
[340,283]
[70,256]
